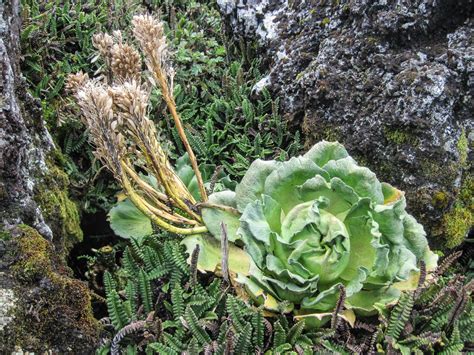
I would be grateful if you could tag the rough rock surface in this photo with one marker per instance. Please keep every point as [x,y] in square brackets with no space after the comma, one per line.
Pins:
[391,80]
[46,309]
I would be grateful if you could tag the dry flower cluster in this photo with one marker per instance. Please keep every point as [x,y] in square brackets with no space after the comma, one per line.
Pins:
[115,111]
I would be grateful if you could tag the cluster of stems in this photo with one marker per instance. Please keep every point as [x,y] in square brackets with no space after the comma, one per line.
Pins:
[115,111]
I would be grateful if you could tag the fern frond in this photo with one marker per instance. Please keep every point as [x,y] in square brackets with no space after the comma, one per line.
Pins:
[177,301]
[258,330]
[295,332]
[178,259]
[173,342]
[193,347]
[145,291]
[335,348]
[131,291]
[243,340]
[162,349]
[279,334]
[109,282]
[223,345]
[137,248]
[455,344]
[116,310]
[196,329]
[234,309]
[129,263]
[399,315]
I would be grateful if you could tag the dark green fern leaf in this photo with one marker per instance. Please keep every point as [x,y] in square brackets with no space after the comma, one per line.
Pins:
[258,330]
[173,342]
[399,315]
[196,329]
[145,291]
[193,347]
[243,340]
[279,334]
[235,311]
[162,349]
[132,293]
[295,332]
[116,310]
[177,301]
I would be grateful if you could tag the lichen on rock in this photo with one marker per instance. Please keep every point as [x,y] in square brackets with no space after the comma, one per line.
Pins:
[391,81]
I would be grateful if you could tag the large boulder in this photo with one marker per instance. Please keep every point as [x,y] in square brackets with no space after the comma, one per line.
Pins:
[391,80]
[42,307]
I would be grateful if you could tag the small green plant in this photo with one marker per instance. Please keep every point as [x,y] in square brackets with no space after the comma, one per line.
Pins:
[158,303]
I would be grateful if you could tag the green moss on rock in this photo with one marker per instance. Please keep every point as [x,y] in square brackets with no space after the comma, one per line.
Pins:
[399,136]
[463,148]
[59,211]
[440,199]
[458,221]
[53,310]
[33,255]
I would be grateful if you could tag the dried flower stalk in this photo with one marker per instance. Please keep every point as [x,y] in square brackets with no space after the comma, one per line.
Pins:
[150,35]
[116,114]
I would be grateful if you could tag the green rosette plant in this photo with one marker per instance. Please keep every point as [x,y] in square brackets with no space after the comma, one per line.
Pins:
[308,226]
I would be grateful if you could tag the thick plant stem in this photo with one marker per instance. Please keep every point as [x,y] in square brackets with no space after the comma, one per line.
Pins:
[141,205]
[229,209]
[168,97]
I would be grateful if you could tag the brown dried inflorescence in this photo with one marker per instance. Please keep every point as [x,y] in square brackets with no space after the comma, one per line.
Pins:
[103,43]
[115,110]
[125,62]
[150,34]
[75,81]
[98,116]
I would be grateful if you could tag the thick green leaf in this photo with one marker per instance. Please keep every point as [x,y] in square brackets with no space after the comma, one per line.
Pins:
[210,256]
[284,182]
[253,183]
[362,180]
[367,302]
[213,217]
[340,196]
[324,151]
[364,239]
[128,221]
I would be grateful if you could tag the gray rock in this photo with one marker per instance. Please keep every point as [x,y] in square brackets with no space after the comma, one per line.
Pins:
[64,322]
[391,80]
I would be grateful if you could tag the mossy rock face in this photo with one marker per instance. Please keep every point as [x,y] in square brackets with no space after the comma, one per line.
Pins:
[404,113]
[53,310]
[458,221]
[59,211]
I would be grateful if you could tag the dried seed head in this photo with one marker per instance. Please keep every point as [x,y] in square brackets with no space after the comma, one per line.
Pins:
[130,100]
[149,33]
[75,81]
[103,43]
[97,114]
[125,62]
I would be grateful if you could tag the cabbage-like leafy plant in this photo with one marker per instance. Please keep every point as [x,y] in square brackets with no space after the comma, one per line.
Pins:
[312,224]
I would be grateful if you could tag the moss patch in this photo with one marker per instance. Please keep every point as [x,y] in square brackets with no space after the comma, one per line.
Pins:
[440,199]
[53,310]
[458,221]
[59,211]
[33,256]
[456,225]
[399,137]
[463,148]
